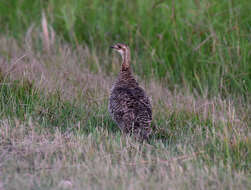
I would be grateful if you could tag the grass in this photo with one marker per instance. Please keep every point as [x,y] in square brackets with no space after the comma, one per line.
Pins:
[101,160]
[56,132]
[192,57]
[198,44]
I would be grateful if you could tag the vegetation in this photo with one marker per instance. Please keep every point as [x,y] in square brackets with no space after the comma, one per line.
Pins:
[200,44]
[193,59]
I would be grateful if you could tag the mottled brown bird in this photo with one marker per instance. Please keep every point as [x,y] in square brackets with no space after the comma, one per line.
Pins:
[129,106]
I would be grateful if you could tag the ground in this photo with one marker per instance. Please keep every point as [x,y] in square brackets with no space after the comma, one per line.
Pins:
[55,129]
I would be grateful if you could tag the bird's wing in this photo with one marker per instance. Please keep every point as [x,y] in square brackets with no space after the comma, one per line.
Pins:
[131,98]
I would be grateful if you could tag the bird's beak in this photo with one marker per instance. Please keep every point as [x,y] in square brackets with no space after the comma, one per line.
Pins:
[112,47]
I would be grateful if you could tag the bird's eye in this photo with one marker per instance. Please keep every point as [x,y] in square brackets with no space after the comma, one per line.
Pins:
[119,46]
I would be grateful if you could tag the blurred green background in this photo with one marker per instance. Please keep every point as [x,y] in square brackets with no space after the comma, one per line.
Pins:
[201,45]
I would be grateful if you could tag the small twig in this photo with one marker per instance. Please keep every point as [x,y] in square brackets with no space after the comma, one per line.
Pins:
[157,3]
[203,42]
[46,38]
[180,158]
[16,61]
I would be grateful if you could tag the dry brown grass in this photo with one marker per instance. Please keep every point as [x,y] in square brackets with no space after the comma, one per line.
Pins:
[34,158]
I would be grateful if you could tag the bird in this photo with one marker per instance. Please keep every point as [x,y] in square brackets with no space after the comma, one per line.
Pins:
[129,106]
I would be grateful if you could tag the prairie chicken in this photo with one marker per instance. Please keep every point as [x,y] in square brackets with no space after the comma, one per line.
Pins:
[129,106]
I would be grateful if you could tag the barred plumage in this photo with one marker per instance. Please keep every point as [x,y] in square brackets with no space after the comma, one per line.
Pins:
[129,106]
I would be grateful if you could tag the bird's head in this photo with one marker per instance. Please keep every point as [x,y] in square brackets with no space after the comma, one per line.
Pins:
[122,49]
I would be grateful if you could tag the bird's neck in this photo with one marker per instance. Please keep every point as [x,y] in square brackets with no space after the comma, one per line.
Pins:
[126,59]
[126,75]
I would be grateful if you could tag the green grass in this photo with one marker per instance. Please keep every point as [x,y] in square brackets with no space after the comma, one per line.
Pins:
[50,139]
[23,101]
[192,58]
[197,44]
